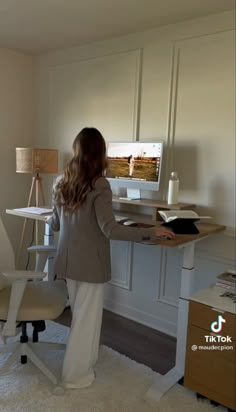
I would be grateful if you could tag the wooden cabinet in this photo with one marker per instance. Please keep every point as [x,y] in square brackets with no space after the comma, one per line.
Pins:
[210,364]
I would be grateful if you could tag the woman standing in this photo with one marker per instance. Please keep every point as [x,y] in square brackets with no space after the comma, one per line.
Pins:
[131,162]
[83,214]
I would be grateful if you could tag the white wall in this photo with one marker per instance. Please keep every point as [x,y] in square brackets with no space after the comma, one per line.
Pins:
[16,130]
[176,83]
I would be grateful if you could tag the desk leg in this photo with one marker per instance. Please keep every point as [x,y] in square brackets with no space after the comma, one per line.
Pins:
[49,240]
[164,382]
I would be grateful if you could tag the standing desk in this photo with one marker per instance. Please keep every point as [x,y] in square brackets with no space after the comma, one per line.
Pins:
[48,234]
[186,242]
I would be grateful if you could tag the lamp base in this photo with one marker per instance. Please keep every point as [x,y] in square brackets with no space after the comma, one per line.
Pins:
[38,187]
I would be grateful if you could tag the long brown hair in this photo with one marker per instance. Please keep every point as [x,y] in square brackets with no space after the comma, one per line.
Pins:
[87,164]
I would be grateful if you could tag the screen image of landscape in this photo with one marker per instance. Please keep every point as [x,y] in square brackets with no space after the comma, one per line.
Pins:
[134,161]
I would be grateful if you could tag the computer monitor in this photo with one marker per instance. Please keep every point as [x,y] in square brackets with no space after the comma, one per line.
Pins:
[135,166]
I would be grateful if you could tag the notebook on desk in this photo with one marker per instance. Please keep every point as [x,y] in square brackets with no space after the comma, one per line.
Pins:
[35,210]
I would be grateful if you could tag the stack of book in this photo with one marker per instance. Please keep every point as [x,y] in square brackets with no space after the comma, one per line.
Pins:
[226,282]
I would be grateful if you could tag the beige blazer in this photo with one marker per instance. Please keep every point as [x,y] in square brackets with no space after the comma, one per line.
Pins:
[83,252]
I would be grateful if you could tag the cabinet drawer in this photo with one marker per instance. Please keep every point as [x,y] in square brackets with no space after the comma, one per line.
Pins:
[202,315]
[217,351]
[210,372]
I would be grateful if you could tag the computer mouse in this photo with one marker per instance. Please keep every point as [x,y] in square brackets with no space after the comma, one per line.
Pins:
[129,223]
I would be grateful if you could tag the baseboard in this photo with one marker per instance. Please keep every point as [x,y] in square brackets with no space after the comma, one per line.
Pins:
[146,319]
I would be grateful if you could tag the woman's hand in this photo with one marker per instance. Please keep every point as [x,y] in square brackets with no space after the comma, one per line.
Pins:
[165,233]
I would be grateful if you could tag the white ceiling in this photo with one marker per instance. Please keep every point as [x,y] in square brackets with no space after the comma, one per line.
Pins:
[37,26]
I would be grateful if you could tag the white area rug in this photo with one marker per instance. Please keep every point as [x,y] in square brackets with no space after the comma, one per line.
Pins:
[120,386]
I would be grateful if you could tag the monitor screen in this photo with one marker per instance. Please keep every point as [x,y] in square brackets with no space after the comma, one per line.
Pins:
[135,164]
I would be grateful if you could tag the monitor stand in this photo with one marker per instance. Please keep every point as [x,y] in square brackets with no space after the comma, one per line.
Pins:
[132,194]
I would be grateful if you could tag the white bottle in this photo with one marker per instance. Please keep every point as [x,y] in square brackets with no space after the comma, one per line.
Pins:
[173,189]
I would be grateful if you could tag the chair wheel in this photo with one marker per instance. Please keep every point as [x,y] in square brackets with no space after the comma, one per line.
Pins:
[199,396]
[58,390]
[181,381]
[23,359]
[214,403]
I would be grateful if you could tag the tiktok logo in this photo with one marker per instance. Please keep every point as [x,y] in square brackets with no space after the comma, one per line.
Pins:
[217,325]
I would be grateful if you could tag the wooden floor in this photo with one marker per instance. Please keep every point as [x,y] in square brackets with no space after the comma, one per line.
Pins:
[140,343]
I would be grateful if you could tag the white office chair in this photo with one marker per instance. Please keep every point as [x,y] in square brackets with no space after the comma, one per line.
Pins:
[24,299]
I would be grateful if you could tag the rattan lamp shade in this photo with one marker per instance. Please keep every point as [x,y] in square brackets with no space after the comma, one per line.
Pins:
[36,160]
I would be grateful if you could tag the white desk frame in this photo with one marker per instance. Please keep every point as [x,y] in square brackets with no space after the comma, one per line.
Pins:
[49,240]
[164,382]
[48,235]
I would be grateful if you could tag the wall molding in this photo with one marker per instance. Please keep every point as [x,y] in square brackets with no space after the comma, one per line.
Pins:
[170,117]
[178,56]
[201,254]
[149,319]
[127,282]
[144,318]
[137,95]
[135,53]
[96,57]
[168,300]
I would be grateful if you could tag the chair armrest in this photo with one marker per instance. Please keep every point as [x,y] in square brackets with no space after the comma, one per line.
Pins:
[42,249]
[24,275]
[43,253]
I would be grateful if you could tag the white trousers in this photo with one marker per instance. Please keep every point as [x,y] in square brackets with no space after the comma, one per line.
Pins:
[86,301]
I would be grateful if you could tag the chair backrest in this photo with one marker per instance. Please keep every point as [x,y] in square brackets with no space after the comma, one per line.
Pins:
[7,261]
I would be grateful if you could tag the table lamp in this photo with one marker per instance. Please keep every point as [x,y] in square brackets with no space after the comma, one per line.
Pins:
[35,162]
